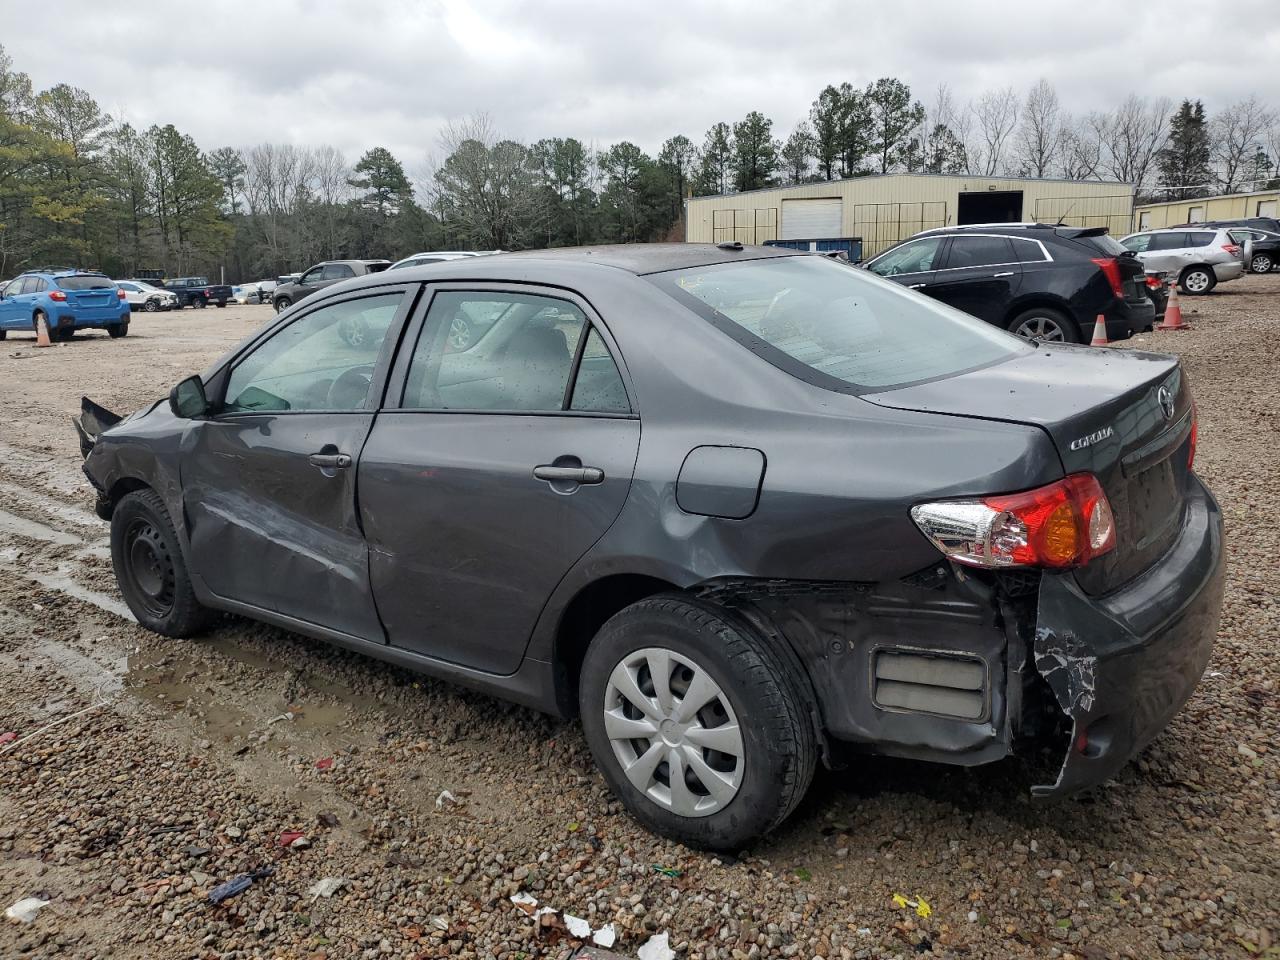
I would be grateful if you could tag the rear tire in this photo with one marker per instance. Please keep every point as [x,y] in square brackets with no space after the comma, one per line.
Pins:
[1045,324]
[118,330]
[221,304]
[755,704]
[1261,263]
[150,570]
[1197,281]
[199,303]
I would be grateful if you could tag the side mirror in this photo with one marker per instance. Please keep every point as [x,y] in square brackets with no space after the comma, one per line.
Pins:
[187,399]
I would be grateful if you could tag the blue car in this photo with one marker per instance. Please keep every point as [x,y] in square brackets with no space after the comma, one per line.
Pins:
[69,300]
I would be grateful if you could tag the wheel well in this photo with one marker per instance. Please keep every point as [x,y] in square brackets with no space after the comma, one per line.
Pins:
[1043,303]
[583,618]
[1195,266]
[122,488]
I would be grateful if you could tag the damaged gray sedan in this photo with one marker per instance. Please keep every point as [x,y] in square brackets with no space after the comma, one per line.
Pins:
[735,508]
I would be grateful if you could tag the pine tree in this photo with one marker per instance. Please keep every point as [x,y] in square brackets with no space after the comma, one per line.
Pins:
[1184,161]
[755,152]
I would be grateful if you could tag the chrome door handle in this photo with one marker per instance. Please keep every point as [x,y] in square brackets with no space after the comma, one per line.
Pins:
[330,461]
[917,286]
[1007,273]
[555,474]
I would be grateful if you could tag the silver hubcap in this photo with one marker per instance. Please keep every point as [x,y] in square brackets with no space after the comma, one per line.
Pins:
[1261,264]
[674,732]
[1040,328]
[1196,281]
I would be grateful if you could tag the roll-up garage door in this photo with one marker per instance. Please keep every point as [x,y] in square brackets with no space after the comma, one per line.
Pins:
[811,219]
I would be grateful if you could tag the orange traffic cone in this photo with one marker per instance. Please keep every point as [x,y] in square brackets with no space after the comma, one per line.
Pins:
[42,333]
[1099,333]
[1173,312]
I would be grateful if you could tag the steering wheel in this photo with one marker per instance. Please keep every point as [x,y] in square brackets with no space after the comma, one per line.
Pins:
[349,390]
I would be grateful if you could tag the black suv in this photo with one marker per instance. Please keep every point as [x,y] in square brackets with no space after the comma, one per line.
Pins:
[320,276]
[1040,281]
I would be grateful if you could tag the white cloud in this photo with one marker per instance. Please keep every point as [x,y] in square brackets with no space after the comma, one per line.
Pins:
[392,72]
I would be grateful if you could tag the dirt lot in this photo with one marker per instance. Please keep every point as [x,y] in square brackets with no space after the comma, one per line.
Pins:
[190,759]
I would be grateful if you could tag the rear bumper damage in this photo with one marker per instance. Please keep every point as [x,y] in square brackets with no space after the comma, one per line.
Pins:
[952,667]
[1121,666]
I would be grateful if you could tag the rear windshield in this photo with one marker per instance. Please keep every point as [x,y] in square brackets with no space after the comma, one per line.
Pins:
[1104,244]
[84,283]
[836,325]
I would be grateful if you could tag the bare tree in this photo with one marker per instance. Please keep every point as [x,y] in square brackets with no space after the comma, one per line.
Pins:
[1080,156]
[1134,133]
[1039,140]
[332,190]
[996,116]
[1237,134]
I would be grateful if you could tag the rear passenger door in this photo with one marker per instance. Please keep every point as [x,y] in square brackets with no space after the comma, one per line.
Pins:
[979,275]
[492,469]
[1168,252]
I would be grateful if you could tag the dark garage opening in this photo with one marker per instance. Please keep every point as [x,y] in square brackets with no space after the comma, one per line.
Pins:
[1004,206]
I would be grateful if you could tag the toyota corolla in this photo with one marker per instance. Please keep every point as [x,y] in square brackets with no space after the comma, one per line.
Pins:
[741,510]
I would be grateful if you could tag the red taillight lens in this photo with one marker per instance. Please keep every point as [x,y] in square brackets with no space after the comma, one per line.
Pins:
[1231,248]
[57,295]
[1065,524]
[119,294]
[1110,266]
[1155,283]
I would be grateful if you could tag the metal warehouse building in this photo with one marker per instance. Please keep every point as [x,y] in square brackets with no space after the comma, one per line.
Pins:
[881,210]
[1233,206]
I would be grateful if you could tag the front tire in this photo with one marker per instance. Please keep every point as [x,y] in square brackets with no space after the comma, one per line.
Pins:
[282,304]
[699,724]
[1261,263]
[150,570]
[1197,281]
[199,303]
[1045,324]
[151,306]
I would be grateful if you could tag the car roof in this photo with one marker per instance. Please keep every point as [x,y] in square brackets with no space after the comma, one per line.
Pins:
[637,258]
[60,272]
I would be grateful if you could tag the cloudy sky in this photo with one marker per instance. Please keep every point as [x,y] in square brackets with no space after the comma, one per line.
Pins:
[392,72]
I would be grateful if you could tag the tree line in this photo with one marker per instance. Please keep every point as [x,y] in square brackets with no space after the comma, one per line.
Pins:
[79,188]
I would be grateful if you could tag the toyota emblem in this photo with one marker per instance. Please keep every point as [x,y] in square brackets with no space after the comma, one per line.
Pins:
[1165,398]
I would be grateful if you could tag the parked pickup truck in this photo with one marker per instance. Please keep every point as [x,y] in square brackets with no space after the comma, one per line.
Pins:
[320,276]
[198,292]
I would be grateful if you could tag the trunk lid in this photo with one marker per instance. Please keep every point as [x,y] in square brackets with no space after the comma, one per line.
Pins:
[90,297]
[1123,416]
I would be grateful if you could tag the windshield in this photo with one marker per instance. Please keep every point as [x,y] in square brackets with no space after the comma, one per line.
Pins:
[84,283]
[812,316]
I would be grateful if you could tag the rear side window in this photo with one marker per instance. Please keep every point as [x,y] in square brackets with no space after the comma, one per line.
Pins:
[337,271]
[1201,238]
[837,326]
[1169,241]
[978,252]
[1028,251]
[31,285]
[598,387]
[84,283]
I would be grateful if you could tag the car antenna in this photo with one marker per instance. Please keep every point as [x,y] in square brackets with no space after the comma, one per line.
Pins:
[1065,215]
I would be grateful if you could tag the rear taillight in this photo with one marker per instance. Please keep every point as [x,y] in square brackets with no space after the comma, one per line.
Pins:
[1110,266]
[1154,283]
[119,294]
[1231,248]
[1065,524]
[58,295]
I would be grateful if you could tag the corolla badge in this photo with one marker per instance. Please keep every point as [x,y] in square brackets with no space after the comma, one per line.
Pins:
[1090,439]
[1164,396]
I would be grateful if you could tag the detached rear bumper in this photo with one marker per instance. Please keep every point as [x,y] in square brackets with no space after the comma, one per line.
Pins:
[1121,666]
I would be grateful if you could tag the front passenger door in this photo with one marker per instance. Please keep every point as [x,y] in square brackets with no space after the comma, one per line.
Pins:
[507,460]
[269,481]
[911,264]
[981,276]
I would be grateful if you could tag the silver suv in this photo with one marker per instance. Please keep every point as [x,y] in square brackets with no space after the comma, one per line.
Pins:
[1200,259]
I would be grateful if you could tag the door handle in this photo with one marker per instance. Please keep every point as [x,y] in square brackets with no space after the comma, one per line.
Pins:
[554,474]
[1007,273]
[917,286]
[330,461]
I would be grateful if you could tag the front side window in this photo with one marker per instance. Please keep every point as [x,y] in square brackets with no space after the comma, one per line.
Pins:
[494,351]
[914,257]
[13,288]
[314,275]
[834,325]
[1138,243]
[322,361]
[978,252]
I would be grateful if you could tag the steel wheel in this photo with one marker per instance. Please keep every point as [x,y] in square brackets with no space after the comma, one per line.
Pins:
[1261,263]
[1041,327]
[1195,281]
[149,567]
[674,732]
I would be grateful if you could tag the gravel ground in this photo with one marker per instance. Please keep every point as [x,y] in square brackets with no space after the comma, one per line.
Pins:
[174,767]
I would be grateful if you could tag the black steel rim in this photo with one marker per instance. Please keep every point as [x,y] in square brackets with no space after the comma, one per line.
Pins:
[149,567]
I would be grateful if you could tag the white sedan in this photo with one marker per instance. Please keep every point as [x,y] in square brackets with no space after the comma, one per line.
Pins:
[143,296]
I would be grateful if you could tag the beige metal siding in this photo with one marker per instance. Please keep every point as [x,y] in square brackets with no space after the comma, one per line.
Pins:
[1235,206]
[885,209]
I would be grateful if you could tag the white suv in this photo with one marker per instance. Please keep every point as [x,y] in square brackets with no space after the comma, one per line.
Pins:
[1200,259]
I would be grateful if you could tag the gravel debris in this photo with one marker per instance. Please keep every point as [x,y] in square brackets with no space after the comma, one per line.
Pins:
[428,808]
